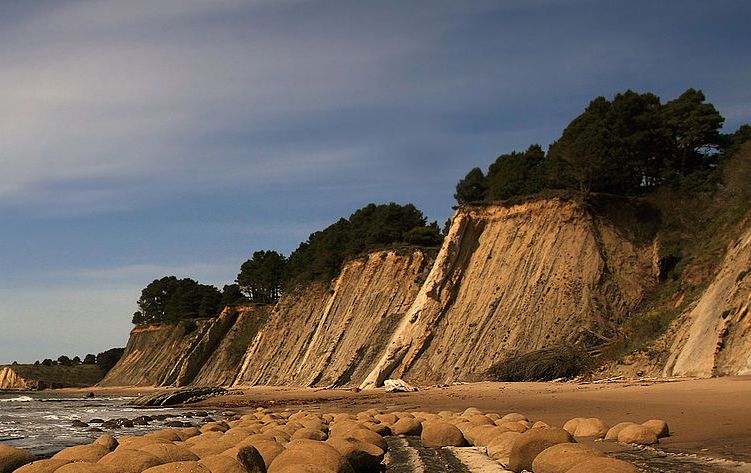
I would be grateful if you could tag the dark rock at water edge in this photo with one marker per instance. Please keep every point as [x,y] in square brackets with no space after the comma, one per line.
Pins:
[179,396]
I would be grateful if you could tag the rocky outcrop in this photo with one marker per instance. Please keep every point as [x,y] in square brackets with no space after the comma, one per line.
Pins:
[190,351]
[518,278]
[333,335]
[10,380]
[712,336]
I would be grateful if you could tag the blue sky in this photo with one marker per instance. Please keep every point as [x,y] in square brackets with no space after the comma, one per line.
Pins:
[154,137]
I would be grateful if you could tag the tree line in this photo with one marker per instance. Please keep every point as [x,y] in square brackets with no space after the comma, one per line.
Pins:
[104,360]
[629,145]
[267,273]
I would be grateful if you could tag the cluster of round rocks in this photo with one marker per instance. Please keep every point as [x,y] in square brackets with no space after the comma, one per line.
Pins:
[304,442]
[122,422]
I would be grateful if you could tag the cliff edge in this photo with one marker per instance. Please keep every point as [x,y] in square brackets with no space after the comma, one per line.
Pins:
[512,279]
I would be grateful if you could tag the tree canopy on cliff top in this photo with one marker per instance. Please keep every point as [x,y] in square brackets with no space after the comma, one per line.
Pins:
[264,276]
[322,254]
[627,146]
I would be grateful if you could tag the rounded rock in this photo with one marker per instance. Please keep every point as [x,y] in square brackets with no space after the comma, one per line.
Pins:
[616,429]
[438,434]
[169,452]
[603,465]
[529,444]
[107,441]
[637,434]
[658,426]
[83,453]
[179,467]
[407,426]
[130,460]
[500,448]
[560,458]
[302,452]
[12,458]
[363,456]
[590,427]
[43,466]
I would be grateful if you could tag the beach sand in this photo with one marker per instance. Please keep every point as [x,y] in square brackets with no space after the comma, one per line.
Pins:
[709,417]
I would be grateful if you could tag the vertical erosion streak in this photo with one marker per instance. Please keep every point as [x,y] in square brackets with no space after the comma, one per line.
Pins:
[320,328]
[417,319]
[248,356]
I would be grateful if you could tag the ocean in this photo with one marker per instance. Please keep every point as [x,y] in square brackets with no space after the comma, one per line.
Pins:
[42,423]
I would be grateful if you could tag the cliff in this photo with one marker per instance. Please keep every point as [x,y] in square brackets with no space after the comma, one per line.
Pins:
[10,380]
[332,337]
[712,336]
[514,279]
[32,377]
[508,279]
[176,355]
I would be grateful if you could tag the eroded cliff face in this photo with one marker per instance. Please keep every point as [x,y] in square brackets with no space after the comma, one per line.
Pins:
[332,335]
[713,336]
[189,352]
[10,380]
[514,279]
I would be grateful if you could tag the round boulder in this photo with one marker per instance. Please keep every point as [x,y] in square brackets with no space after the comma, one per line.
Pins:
[222,464]
[637,434]
[406,426]
[363,456]
[590,427]
[310,434]
[82,467]
[312,452]
[43,466]
[529,444]
[438,434]
[616,429]
[659,427]
[12,458]
[179,467]
[130,460]
[107,441]
[603,465]
[169,452]
[83,453]
[500,448]
[560,458]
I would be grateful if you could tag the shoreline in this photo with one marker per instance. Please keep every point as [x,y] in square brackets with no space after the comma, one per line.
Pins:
[707,417]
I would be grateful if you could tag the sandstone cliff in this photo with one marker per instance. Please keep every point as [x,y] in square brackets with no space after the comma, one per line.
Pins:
[176,355]
[333,336]
[514,279]
[10,380]
[31,377]
[712,336]
[508,279]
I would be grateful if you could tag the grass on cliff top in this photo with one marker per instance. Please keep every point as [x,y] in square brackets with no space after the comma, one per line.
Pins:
[59,375]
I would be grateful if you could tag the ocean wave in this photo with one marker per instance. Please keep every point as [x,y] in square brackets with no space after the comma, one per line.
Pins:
[17,399]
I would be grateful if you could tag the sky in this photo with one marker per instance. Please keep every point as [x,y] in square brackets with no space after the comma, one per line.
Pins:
[153,137]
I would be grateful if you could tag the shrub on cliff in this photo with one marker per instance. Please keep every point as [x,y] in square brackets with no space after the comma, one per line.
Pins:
[560,361]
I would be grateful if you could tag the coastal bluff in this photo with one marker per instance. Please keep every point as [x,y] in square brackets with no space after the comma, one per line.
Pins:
[509,279]
[26,377]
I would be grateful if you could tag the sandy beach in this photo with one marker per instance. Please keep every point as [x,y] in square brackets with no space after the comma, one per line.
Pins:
[709,417]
